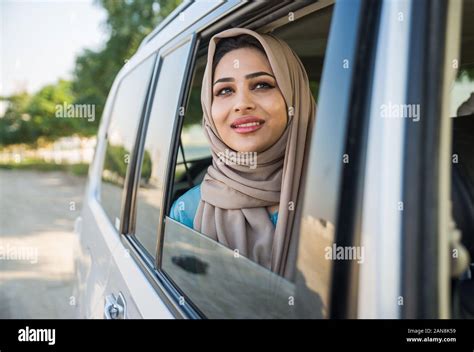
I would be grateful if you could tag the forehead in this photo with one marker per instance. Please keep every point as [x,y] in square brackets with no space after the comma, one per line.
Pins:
[242,61]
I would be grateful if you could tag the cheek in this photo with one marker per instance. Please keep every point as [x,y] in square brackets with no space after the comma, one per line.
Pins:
[276,108]
[218,113]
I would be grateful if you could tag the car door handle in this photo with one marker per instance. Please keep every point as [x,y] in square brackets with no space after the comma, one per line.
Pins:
[115,307]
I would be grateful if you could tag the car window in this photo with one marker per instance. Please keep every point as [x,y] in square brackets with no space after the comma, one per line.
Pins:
[121,136]
[216,280]
[158,139]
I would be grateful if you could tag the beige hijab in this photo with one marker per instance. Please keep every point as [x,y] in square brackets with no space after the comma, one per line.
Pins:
[234,198]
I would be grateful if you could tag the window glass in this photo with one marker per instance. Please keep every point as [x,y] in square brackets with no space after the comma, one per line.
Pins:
[121,135]
[157,144]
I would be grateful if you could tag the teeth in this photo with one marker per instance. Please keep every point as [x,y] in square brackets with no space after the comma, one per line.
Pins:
[249,124]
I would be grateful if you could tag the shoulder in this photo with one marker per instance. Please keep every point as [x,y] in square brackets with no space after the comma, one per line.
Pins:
[185,207]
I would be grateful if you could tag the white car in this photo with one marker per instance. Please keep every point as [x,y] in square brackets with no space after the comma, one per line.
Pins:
[378,184]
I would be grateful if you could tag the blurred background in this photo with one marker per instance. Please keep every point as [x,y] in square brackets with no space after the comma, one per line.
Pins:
[58,60]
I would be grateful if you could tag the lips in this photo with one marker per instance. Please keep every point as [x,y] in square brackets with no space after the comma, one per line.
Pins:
[247,124]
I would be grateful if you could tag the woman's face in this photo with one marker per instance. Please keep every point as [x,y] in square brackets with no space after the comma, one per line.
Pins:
[248,108]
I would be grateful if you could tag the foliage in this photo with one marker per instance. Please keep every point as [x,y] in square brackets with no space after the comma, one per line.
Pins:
[116,159]
[28,118]
[128,23]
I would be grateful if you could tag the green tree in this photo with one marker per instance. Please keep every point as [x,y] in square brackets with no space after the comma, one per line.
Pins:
[128,22]
[29,117]
[42,110]
[13,124]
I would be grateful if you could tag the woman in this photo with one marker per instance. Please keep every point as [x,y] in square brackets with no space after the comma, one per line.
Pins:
[256,102]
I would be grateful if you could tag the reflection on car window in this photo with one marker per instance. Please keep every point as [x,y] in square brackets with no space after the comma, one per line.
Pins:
[158,139]
[121,135]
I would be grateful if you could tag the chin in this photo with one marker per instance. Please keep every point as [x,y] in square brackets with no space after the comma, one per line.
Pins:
[246,148]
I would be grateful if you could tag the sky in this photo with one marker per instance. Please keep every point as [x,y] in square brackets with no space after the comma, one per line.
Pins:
[40,39]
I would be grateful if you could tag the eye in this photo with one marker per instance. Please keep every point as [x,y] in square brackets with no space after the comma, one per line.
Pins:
[263,85]
[219,92]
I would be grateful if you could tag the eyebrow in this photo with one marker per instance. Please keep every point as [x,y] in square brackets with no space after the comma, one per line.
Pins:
[249,76]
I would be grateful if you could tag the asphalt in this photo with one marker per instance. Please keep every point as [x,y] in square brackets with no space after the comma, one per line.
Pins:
[37,213]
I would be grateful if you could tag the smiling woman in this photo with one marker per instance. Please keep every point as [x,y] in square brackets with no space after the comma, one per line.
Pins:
[256,100]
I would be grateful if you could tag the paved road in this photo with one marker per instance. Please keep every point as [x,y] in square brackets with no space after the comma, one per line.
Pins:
[37,212]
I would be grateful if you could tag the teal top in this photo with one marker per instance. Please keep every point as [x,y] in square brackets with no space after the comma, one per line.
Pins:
[185,207]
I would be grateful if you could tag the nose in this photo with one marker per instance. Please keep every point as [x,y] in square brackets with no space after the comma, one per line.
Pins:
[244,102]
